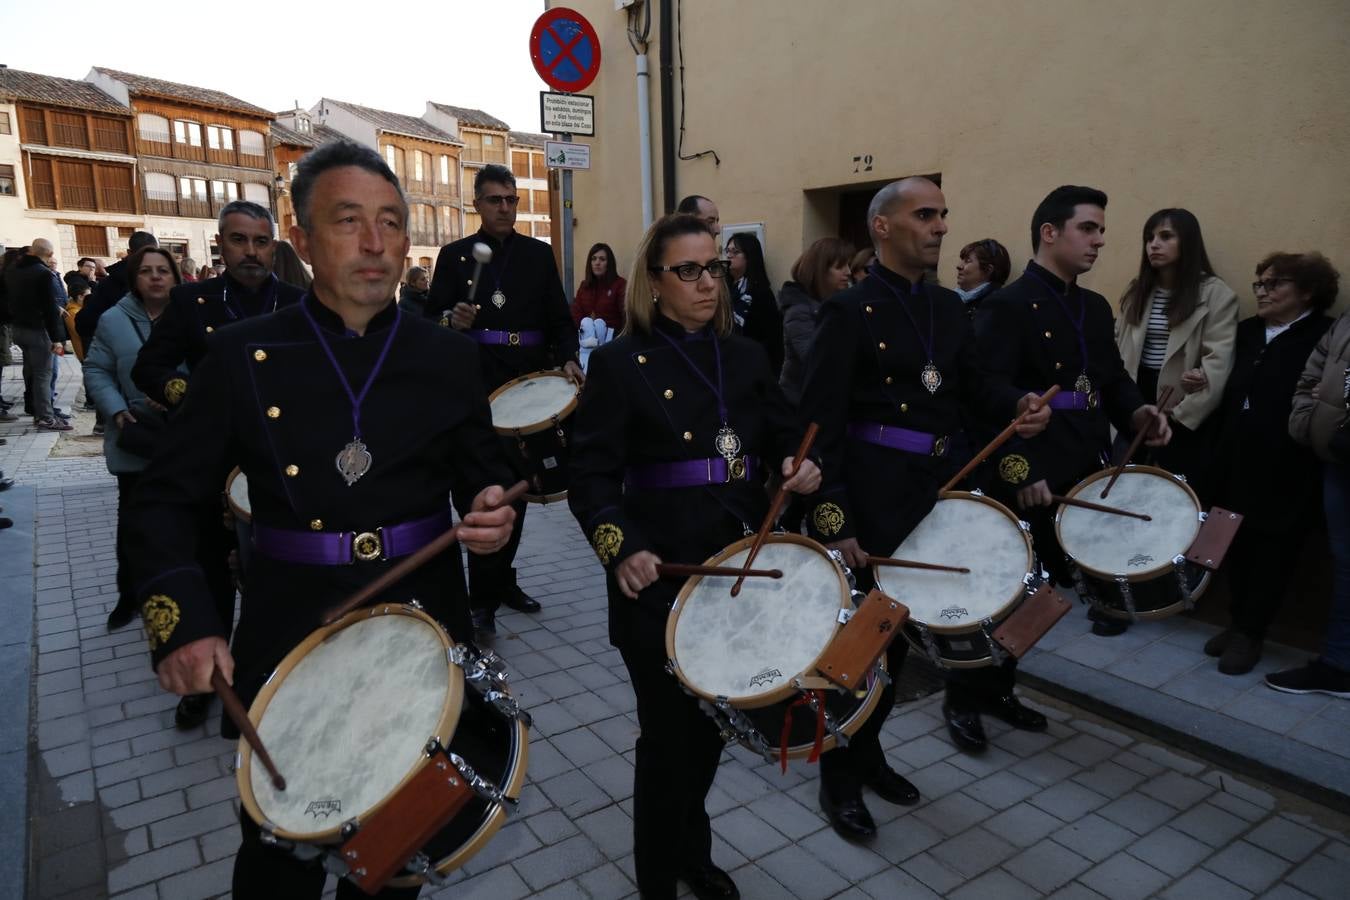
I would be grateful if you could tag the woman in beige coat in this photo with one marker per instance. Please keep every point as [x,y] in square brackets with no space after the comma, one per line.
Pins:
[1176,329]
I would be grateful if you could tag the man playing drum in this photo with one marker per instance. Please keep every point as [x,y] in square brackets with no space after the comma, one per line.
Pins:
[679,426]
[518,316]
[343,479]
[1043,329]
[892,374]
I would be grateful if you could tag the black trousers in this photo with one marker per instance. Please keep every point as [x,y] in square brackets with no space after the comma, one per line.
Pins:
[844,770]
[677,754]
[492,575]
[1260,564]
[968,688]
[126,588]
[264,872]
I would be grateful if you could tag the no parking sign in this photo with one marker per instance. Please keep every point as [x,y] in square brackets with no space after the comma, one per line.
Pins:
[565,50]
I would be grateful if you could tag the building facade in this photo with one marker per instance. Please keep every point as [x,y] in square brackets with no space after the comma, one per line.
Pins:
[533,184]
[426,159]
[485,140]
[1239,118]
[197,150]
[67,169]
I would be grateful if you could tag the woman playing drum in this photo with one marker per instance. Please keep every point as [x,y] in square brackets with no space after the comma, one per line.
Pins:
[678,427]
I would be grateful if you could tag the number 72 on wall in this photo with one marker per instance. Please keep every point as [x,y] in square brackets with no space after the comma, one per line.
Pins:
[862,163]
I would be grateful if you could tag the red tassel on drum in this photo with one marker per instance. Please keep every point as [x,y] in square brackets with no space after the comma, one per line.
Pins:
[818,745]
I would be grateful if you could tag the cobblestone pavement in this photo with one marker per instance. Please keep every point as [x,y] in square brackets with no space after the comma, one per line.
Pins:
[124,805]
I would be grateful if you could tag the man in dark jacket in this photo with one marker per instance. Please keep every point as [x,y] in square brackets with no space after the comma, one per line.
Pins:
[36,327]
[110,289]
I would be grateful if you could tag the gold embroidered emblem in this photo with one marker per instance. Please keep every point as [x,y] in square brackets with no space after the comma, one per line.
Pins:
[1014,469]
[607,540]
[174,389]
[161,617]
[829,519]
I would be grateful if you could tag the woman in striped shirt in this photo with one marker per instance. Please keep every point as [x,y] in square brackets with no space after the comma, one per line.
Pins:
[1176,329]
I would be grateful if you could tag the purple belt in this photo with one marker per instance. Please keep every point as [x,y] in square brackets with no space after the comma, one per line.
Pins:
[690,473]
[341,548]
[897,438]
[506,338]
[1074,400]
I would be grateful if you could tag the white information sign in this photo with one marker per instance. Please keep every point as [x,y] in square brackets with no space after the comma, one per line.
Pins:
[566,113]
[562,155]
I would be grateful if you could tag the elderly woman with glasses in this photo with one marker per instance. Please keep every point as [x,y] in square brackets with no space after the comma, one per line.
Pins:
[681,423]
[1261,471]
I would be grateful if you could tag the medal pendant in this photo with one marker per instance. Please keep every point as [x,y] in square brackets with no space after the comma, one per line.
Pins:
[727,443]
[1083,385]
[353,461]
[930,378]
[498,299]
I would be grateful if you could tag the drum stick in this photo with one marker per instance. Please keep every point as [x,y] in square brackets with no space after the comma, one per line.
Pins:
[993,445]
[777,506]
[679,570]
[234,708]
[482,253]
[1097,507]
[1138,439]
[413,561]
[913,564]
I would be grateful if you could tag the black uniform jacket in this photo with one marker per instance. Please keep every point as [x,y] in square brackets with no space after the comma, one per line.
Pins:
[865,366]
[643,405]
[1028,342]
[196,311]
[1262,472]
[266,398]
[534,302]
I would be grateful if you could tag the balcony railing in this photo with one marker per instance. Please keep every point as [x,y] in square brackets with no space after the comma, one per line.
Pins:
[44,195]
[117,199]
[482,155]
[75,196]
[67,135]
[424,237]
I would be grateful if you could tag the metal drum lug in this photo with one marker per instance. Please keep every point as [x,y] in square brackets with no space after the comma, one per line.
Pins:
[1179,567]
[1127,596]
[1203,517]
[929,645]
[978,492]
[996,651]
[844,616]
[481,786]
[1024,525]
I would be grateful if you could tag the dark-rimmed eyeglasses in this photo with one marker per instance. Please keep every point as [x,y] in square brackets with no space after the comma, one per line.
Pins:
[500,199]
[1269,284]
[692,271]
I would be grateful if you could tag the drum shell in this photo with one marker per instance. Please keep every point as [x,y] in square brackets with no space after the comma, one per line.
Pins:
[243,519]
[848,710]
[541,449]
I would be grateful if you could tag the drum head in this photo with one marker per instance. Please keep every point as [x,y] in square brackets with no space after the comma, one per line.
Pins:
[531,402]
[969,531]
[236,494]
[749,647]
[346,718]
[1108,545]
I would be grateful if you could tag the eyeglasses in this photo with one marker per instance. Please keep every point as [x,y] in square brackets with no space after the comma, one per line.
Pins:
[692,271]
[1268,285]
[500,199]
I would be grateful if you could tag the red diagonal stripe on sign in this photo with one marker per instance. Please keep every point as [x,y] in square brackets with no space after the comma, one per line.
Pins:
[566,50]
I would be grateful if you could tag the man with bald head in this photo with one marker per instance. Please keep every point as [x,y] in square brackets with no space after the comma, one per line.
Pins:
[36,327]
[891,377]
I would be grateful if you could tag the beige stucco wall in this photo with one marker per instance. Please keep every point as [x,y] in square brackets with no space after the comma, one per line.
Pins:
[1235,109]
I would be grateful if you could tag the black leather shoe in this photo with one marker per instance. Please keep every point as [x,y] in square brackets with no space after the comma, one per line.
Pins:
[965,727]
[893,787]
[192,711]
[1010,709]
[120,617]
[849,818]
[484,623]
[707,882]
[521,601]
[1104,625]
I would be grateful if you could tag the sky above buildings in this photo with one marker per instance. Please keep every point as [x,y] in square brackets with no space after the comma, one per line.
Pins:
[392,56]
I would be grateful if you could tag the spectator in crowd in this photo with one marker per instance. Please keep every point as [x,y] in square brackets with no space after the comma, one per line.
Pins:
[218,270]
[861,260]
[206,272]
[752,302]
[7,258]
[188,269]
[131,418]
[702,208]
[35,325]
[111,288]
[1262,473]
[289,267]
[817,275]
[598,306]
[1320,420]
[983,269]
[413,296]
[1176,329]
[83,273]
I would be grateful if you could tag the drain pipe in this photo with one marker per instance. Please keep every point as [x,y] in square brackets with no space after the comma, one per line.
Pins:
[667,61]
